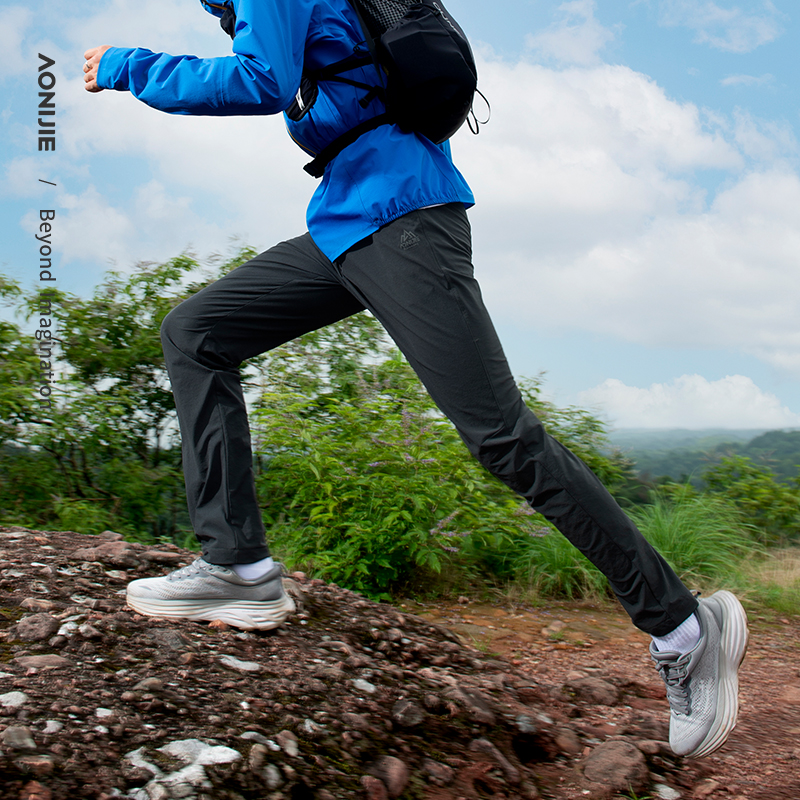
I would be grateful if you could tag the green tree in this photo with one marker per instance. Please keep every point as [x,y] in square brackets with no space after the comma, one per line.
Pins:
[106,455]
[772,506]
[19,369]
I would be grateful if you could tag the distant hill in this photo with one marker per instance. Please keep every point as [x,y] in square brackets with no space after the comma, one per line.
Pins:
[681,454]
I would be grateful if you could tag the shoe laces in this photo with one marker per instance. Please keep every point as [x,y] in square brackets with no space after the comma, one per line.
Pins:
[194,568]
[673,673]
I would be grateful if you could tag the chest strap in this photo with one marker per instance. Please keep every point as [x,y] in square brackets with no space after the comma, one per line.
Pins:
[328,153]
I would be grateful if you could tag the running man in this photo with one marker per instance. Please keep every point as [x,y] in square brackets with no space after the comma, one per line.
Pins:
[388,232]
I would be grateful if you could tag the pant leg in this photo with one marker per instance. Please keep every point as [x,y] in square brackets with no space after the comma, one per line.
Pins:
[279,295]
[415,274]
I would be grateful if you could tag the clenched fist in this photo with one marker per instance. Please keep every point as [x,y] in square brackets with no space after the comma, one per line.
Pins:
[93,56]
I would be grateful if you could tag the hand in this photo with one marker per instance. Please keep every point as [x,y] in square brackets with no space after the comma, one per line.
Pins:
[93,56]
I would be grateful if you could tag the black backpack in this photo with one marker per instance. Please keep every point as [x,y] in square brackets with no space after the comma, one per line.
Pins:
[425,64]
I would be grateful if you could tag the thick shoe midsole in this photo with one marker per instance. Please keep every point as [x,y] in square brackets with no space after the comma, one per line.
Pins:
[733,646]
[205,609]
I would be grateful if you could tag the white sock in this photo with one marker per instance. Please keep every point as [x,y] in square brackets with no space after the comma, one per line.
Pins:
[254,570]
[683,639]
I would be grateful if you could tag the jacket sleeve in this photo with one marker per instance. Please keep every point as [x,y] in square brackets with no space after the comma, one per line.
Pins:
[261,77]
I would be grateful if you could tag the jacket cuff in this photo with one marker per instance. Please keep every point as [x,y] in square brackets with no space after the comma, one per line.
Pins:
[113,70]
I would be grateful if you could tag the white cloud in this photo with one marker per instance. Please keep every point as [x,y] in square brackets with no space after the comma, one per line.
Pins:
[747,80]
[691,401]
[765,141]
[590,215]
[724,27]
[16,22]
[577,38]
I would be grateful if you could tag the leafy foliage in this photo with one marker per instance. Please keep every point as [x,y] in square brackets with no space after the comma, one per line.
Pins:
[105,455]
[771,506]
[365,481]
[703,538]
[19,369]
[360,477]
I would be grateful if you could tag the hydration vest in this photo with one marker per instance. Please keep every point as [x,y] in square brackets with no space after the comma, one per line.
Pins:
[426,70]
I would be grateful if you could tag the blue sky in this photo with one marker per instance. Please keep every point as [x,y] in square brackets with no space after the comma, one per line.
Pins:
[637,227]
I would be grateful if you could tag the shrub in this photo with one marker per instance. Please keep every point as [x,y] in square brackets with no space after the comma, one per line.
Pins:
[768,504]
[703,538]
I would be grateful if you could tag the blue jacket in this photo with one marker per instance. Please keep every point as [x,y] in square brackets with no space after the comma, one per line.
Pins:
[384,174]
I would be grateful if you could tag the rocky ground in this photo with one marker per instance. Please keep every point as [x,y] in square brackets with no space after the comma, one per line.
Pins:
[350,699]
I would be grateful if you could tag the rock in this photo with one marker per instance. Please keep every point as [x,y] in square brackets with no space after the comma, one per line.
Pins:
[149,685]
[554,628]
[664,792]
[652,747]
[618,765]
[161,556]
[35,791]
[567,741]
[407,713]
[485,746]
[13,700]
[37,627]
[650,726]
[18,737]
[118,553]
[53,726]
[48,661]
[39,765]
[311,728]
[705,788]
[37,604]
[374,787]
[329,673]
[89,631]
[156,791]
[272,776]
[364,686]
[288,741]
[357,721]
[242,666]
[392,772]
[194,751]
[594,690]
[525,723]
[440,774]
[340,647]
[257,758]
[475,703]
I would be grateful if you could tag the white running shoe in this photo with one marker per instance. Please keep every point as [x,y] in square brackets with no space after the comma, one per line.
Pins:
[703,684]
[204,591]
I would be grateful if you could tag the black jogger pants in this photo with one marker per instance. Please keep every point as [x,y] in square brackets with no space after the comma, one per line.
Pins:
[415,275]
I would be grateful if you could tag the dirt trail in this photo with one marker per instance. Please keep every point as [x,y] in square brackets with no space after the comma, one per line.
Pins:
[350,698]
[761,760]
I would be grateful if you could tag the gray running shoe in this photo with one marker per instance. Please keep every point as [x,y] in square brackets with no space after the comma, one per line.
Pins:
[703,684]
[204,591]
